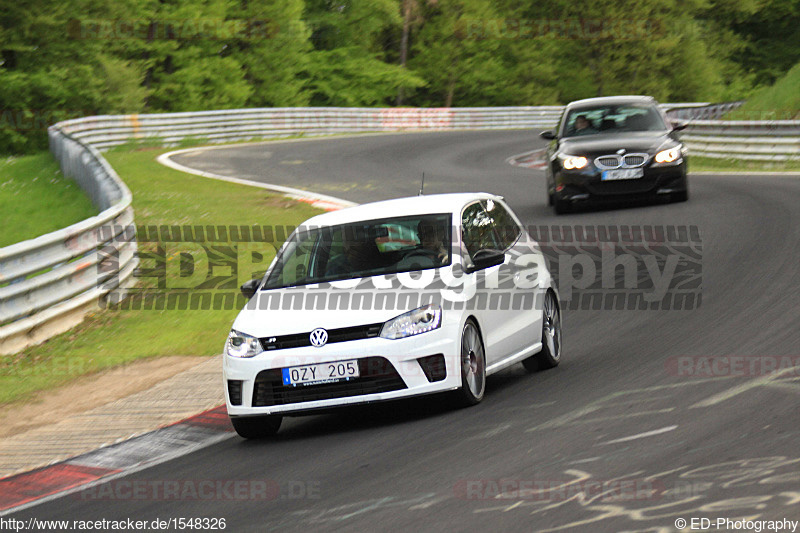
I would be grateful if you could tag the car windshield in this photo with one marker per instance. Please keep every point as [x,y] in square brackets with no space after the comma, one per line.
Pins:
[612,119]
[369,248]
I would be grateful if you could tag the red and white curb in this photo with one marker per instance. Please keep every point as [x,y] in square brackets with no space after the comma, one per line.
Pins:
[321,201]
[28,489]
[20,491]
[533,159]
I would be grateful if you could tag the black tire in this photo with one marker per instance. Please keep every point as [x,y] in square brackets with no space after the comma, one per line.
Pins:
[550,355]
[550,199]
[681,196]
[473,366]
[257,427]
[561,206]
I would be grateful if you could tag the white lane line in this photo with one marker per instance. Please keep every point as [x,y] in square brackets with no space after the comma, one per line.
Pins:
[581,461]
[744,387]
[603,418]
[641,435]
[535,159]
[323,201]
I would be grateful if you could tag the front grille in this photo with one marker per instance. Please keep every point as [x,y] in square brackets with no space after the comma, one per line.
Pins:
[300,340]
[235,391]
[376,374]
[633,160]
[611,161]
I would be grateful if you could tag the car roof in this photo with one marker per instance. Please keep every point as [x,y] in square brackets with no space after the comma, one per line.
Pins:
[413,205]
[607,100]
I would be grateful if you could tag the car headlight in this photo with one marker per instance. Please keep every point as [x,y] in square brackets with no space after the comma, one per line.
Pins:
[573,162]
[414,322]
[241,345]
[668,156]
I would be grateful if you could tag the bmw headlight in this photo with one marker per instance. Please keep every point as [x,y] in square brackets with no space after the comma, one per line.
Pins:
[414,322]
[241,345]
[668,156]
[573,162]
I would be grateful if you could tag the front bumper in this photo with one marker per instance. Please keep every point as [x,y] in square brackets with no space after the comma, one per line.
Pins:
[389,369]
[586,184]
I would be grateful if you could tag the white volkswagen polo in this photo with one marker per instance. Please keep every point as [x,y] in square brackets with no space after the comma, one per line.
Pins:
[389,300]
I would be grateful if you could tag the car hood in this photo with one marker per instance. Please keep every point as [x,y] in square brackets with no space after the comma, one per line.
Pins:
[330,306]
[609,143]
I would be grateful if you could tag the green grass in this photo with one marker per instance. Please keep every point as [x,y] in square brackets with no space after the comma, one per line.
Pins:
[781,101]
[115,337]
[35,198]
[709,164]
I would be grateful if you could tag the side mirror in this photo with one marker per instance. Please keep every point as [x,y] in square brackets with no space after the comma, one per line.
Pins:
[249,288]
[679,125]
[484,259]
[548,134]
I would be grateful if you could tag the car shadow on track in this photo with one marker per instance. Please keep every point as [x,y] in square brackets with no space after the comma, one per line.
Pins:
[616,205]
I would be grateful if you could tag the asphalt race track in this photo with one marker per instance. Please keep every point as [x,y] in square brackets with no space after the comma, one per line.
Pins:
[614,439]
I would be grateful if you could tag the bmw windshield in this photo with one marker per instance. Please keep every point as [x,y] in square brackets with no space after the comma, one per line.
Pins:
[612,119]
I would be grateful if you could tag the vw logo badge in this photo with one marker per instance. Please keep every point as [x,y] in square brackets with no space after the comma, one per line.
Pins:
[621,151]
[318,337]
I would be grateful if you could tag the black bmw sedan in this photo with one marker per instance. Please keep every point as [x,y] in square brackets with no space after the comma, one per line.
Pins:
[614,148]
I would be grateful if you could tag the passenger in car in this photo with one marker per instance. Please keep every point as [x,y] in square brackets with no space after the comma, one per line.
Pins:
[431,237]
[608,124]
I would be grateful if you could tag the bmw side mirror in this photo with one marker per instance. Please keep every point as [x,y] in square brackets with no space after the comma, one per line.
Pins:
[484,259]
[548,134]
[249,288]
[679,125]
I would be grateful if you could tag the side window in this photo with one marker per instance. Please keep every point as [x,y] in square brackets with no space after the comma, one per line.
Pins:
[506,227]
[477,229]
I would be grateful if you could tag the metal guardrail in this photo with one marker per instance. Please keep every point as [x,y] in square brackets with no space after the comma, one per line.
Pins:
[168,129]
[777,140]
[48,283]
[701,111]
[765,140]
[246,124]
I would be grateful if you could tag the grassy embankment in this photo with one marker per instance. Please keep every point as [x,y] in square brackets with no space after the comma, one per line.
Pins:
[161,196]
[780,101]
[35,198]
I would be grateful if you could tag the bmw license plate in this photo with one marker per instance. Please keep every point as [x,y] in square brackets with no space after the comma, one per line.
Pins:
[622,174]
[320,373]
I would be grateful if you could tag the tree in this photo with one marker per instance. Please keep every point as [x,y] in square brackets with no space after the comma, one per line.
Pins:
[351,64]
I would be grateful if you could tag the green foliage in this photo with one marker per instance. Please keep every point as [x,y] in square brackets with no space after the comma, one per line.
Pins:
[199,83]
[80,57]
[345,77]
[769,34]
[778,102]
[708,164]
